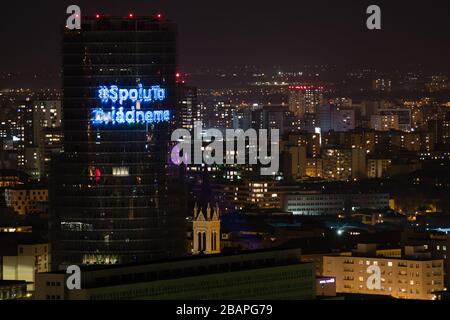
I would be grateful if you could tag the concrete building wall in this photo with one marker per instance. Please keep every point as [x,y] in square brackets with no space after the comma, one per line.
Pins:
[289,282]
[40,253]
[19,268]
[25,201]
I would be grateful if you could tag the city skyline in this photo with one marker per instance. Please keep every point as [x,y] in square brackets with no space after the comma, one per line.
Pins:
[225,151]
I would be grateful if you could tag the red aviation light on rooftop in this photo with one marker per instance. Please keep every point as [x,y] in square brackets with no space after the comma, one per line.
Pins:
[178,78]
[130,15]
[158,16]
[97,16]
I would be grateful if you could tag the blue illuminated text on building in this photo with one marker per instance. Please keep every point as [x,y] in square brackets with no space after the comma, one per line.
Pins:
[114,93]
[131,115]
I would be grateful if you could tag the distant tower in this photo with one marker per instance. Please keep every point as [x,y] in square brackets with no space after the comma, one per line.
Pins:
[206,231]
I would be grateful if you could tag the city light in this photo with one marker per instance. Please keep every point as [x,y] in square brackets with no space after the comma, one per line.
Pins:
[233,155]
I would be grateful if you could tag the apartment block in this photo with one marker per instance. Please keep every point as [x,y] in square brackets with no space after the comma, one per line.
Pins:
[416,277]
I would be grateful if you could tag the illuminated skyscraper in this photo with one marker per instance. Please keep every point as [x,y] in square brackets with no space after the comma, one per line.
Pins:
[331,117]
[116,197]
[222,116]
[189,108]
[384,122]
[403,114]
[45,116]
[304,99]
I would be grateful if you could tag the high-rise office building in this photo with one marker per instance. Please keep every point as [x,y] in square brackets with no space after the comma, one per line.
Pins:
[441,130]
[222,116]
[331,117]
[337,164]
[189,110]
[344,164]
[50,147]
[269,117]
[22,131]
[116,197]
[384,123]
[377,168]
[44,118]
[242,118]
[403,114]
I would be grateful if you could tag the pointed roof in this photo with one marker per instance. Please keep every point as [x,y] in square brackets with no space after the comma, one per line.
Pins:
[216,215]
[201,216]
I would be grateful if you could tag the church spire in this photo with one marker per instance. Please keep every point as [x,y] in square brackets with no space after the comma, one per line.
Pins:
[206,230]
[216,215]
[195,211]
[208,212]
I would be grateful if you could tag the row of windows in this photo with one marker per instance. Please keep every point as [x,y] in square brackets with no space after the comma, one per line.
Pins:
[35,250]
[318,204]
[26,200]
[53,284]
[389,264]
[33,192]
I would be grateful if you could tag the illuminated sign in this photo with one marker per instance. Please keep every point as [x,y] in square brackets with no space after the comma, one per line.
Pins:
[129,115]
[119,116]
[114,93]
[326,281]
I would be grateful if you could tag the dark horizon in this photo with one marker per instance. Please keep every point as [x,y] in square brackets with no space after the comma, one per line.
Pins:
[224,34]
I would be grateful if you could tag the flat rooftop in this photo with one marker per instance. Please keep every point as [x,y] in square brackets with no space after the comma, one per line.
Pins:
[7,283]
[239,255]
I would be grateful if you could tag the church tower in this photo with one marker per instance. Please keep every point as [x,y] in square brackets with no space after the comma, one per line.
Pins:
[206,230]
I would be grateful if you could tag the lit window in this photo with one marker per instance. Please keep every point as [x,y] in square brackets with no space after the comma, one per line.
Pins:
[390,264]
[120,171]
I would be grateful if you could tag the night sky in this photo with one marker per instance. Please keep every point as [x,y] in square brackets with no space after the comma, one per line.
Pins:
[215,33]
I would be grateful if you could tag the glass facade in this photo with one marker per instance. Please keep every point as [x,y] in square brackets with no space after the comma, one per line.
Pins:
[116,197]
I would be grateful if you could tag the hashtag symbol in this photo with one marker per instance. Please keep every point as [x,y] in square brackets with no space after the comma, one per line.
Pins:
[103,94]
